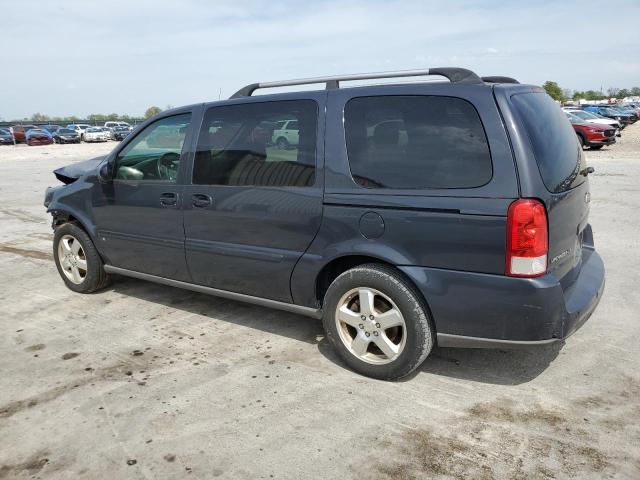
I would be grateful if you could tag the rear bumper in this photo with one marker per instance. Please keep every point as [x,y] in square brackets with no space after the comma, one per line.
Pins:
[478,310]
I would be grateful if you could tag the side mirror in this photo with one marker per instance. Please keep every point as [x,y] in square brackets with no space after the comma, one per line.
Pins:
[106,174]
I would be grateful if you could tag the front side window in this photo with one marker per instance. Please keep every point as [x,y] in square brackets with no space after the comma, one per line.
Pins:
[259,144]
[154,154]
[416,142]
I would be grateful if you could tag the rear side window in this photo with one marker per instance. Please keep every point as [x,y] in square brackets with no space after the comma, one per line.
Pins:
[416,142]
[553,140]
[259,144]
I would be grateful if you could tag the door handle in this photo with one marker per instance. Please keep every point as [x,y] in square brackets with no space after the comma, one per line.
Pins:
[168,199]
[200,200]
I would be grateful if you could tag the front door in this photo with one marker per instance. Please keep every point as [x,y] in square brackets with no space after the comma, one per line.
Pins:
[138,214]
[255,204]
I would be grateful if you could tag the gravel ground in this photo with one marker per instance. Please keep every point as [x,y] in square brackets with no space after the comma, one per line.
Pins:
[145,381]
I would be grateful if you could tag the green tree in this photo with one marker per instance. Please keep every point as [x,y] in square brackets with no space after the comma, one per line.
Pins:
[623,92]
[553,89]
[96,117]
[151,111]
[39,117]
[113,116]
[635,92]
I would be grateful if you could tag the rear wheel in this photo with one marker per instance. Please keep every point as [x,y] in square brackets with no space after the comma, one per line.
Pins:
[595,147]
[282,143]
[377,322]
[581,140]
[77,259]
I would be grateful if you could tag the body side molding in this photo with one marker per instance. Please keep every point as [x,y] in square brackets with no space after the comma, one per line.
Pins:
[264,302]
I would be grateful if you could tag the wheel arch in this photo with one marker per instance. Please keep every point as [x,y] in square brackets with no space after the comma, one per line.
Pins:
[337,266]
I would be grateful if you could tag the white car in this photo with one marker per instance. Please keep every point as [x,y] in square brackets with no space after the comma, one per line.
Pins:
[96,134]
[79,128]
[588,117]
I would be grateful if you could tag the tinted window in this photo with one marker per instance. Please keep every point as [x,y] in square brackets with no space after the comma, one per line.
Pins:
[554,142]
[416,142]
[242,145]
[154,154]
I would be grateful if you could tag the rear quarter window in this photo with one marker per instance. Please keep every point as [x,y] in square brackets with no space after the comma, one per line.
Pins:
[553,140]
[416,142]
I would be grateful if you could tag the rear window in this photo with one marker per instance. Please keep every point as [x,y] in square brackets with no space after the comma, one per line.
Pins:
[416,142]
[553,140]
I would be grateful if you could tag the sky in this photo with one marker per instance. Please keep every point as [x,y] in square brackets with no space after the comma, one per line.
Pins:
[81,57]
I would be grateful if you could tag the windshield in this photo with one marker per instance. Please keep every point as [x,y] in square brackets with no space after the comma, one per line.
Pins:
[66,130]
[4,132]
[553,140]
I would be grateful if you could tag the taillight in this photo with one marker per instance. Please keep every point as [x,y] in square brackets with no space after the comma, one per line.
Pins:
[527,239]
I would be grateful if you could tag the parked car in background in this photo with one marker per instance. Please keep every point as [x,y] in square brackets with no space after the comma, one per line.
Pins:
[475,233]
[51,128]
[38,136]
[66,135]
[19,132]
[120,133]
[79,128]
[106,131]
[113,124]
[628,110]
[592,135]
[95,134]
[6,137]
[588,117]
[610,112]
[285,134]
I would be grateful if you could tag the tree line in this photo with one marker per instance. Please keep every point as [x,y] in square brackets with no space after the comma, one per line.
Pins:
[94,117]
[563,94]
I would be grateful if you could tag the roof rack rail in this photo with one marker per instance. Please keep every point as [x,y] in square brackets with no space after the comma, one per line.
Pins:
[455,75]
[499,79]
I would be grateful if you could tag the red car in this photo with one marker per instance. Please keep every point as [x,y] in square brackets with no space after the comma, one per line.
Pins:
[593,135]
[38,136]
[19,132]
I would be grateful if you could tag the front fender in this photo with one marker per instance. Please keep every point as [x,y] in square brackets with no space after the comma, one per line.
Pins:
[73,200]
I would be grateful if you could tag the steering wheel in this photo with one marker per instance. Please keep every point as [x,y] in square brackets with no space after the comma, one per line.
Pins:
[167,166]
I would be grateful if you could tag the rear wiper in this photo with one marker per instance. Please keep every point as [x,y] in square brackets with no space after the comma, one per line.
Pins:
[587,171]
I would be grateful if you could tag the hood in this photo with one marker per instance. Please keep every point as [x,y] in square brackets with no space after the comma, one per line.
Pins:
[71,173]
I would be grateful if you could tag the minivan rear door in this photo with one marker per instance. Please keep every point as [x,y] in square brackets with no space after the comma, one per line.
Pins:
[552,168]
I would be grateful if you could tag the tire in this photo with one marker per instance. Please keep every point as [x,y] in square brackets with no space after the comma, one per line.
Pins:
[595,147]
[282,143]
[581,140]
[64,242]
[392,293]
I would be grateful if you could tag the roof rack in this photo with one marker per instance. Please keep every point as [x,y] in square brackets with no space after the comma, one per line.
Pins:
[499,79]
[455,75]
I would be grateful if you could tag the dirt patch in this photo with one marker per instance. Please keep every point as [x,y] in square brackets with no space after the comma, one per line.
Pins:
[501,439]
[35,348]
[30,466]
[69,356]
[22,215]
[121,371]
[24,252]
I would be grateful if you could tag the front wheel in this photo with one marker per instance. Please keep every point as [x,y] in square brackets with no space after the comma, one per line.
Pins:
[78,262]
[377,322]
[595,147]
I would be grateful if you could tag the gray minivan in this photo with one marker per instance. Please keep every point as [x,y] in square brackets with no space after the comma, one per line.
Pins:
[404,215]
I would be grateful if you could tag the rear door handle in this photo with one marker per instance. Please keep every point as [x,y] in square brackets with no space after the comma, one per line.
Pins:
[169,199]
[200,200]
